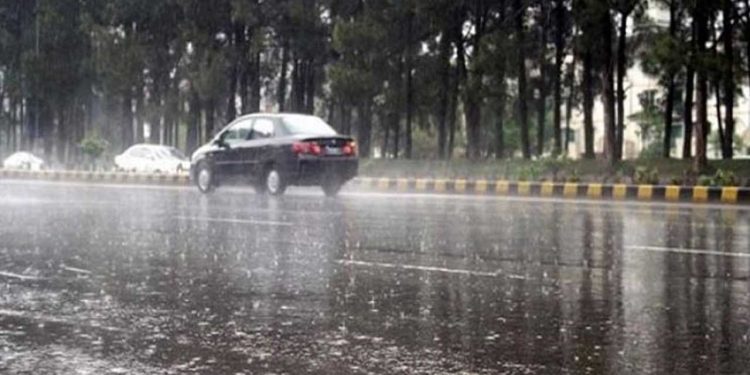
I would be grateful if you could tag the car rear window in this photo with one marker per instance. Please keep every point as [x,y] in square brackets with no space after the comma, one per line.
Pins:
[306,125]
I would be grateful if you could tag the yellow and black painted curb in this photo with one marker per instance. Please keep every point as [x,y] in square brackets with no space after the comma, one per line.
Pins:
[104,177]
[696,194]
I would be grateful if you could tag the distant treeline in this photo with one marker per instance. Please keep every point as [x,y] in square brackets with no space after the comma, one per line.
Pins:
[410,78]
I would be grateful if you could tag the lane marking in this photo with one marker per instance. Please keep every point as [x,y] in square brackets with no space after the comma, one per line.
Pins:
[11,275]
[659,249]
[234,221]
[76,270]
[423,268]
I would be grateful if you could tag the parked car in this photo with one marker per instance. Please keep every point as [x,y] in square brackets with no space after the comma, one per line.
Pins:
[273,151]
[23,160]
[147,158]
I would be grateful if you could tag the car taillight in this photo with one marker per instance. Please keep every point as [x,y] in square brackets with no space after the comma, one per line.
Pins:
[310,148]
[350,148]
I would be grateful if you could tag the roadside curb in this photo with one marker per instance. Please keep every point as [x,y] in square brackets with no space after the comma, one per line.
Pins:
[656,193]
[105,177]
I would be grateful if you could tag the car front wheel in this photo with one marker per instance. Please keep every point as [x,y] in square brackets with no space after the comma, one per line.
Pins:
[204,178]
[274,182]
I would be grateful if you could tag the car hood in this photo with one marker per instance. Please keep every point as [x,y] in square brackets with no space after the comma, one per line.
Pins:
[201,150]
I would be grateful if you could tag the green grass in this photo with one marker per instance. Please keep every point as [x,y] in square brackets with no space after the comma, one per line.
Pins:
[630,171]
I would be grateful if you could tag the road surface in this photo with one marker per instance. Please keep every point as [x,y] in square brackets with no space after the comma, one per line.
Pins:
[148,280]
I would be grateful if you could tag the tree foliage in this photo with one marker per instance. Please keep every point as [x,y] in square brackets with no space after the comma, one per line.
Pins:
[409,78]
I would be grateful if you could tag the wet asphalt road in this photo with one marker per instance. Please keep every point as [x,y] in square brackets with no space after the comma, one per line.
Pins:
[128,280]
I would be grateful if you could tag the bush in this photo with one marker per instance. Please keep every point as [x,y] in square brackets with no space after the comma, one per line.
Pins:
[646,176]
[725,178]
[704,180]
[93,148]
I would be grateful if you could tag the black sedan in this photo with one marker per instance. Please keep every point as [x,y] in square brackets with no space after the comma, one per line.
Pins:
[273,151]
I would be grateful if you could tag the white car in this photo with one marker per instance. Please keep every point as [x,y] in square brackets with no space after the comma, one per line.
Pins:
[145,158]
[23,160]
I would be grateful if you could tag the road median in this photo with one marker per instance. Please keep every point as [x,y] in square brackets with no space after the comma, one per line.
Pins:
[657,193]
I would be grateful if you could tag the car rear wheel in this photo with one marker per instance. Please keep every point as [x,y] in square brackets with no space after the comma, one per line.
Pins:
[274,182]
[204,178]
[331,188]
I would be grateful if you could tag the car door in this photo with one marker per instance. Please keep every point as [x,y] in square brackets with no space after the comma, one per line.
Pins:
[139,159]
[226,157]
[257,147]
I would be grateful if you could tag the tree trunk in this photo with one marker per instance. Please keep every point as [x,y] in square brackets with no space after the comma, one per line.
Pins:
[472,115]
[396,107]
[156,112]
[409,83]
[700,19]
[608,92]
[210,113]
[346,118]
[621,71]
[669,105]
[385,122]
[729,84]
[502,101]
[127,120]
[365,128]
[687,146]
[310,86]
[194,119]
[557,76]
[520,10]
[542,102]
[232,94]
[61,136]
[442,110]
[452,109]
[541,115]
[298,85]
[255,85]
[588,105]
[139,113]
[281,99]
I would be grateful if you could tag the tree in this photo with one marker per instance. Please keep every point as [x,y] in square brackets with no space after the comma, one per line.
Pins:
[559,13]
[543,26]
[520,12]
[728,16]
[700,20]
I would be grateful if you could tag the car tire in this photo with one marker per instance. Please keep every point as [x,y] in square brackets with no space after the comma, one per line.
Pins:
[274,182]
[331,188]
[204,178]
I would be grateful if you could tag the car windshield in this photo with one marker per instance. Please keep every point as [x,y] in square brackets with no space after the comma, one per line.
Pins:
[176,153]
[169,153]
[307,125]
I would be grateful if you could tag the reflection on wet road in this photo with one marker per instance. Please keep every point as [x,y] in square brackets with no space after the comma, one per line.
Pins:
[128,280]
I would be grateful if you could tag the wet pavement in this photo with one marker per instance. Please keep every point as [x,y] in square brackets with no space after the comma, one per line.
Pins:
[129,280]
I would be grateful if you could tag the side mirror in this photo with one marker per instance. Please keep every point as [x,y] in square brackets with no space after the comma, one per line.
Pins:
[218,142]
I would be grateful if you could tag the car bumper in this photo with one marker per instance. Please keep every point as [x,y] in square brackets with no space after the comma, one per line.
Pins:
[315,171]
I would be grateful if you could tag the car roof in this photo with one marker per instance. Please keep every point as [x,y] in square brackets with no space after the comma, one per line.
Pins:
[150,146]
[19,154]
[272,115]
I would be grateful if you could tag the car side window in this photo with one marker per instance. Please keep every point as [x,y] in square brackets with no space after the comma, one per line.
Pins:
[138,152]
[238,132]
[263,128]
